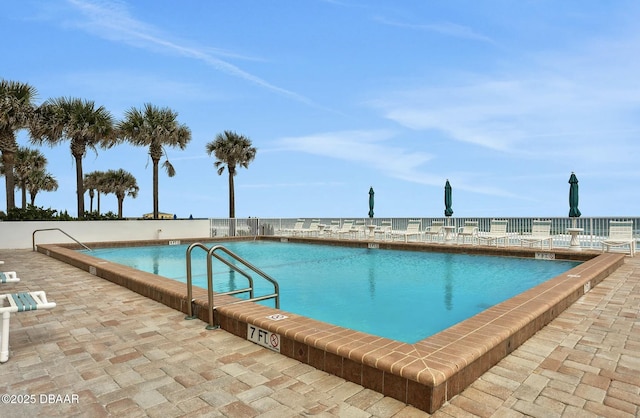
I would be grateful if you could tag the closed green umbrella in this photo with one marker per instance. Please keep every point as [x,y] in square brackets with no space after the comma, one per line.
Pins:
[447,200]
[371,193]
[574,212]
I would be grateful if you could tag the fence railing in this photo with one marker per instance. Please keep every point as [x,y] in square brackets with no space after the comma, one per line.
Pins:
[594,229]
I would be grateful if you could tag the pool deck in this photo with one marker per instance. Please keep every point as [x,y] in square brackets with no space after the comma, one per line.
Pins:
[123,354]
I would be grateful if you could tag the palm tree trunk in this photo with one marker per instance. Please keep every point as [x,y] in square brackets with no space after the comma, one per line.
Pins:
[33,198]
[155,188]
[79,186]
[23,188]
[91,194]
[98,203]
[120,201]
[232,197]
[8,159]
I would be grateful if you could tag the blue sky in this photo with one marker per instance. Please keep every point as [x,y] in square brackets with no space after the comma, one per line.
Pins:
[505,99]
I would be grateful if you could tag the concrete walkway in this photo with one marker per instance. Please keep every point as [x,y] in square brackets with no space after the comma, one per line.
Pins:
[106,351]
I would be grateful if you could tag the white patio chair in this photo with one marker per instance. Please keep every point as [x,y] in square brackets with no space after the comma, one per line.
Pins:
[540,233]
[359,229]
[413,229]
[312,230]
[383,230]
[470,229]
[331,229]
[297,227]
[345,228]
[435,230]
[497,233]
[620,235]
[18,302]
[9,277]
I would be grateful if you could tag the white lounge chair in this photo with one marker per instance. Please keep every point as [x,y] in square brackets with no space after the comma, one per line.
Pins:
[497,233]
[620,235]
[383,230]
[9,277]
[344,229]
[540,233]
[359,229]
[312,230]
[413,229]
[297,227]
[331,229]
[470,229]
[18,302]
[435,230]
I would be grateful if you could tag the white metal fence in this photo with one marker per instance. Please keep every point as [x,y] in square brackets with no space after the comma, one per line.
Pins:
[19,234]
[594,230]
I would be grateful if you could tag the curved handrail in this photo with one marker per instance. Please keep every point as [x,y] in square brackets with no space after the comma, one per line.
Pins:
[255,269]
[210,274]
[189,279]
[33,237]
[211,253]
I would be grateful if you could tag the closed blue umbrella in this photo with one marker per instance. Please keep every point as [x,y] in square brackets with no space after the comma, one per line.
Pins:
[447,199]
[371,193]
[574,212]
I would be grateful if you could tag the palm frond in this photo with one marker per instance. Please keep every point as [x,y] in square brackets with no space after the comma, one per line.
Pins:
[169,168]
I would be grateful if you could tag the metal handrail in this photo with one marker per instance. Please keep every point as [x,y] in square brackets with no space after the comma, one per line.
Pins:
[189,278]
[210,274]
[33,237]
[211,252]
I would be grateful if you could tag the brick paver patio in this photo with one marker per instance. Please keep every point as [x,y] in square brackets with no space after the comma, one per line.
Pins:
[106,351]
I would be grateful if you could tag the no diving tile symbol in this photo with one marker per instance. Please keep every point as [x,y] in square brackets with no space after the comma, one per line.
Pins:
[275,341]
[277,317]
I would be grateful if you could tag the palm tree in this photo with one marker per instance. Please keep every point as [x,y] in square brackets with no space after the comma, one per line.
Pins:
[155,128]
[232,150]
[94,182]
[121,183]
[16,112]
[82,123]
[27,161]
[40,180]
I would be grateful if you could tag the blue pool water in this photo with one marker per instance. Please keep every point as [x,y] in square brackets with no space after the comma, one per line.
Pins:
[403,295]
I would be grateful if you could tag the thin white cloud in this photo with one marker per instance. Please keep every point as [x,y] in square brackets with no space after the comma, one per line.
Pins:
[111,20]
[202,156]
[130,85]
[443,28]
[481,114]
[376,149]
[366,147]
[291,185]
[554,105]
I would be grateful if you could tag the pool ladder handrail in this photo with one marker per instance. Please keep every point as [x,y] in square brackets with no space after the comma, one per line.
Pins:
[211,252]
[33,237]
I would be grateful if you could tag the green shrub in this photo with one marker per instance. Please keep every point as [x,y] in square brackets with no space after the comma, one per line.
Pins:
[95,216]
[31,213]
[35,213]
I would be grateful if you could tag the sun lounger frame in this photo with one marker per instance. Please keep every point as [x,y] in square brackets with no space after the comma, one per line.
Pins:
[18,302]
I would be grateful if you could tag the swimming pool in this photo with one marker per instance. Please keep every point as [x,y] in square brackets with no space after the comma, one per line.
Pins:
[402,295]
[425,374]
